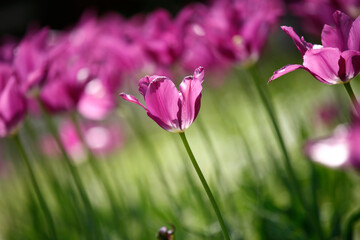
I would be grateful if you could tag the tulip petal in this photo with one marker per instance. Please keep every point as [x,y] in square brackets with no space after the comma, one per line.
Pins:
[12,104]
[338,38]
[56,97]
[30,58]
[96,102]
[350,62]
[161,123]
[190,89]
[132,99]
[323,64]
[332,152]
[144,83]
[301,44]
[284,70]
[162,99]
[330,37]
[354,35]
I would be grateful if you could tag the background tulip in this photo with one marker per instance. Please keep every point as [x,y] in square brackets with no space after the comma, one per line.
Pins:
[12,101]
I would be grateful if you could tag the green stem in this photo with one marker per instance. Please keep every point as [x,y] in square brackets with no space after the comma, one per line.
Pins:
[191,183]
[92,159]
[272,115]
[67,205]
[350,223]
[140,133]
[210,146]
[315,184]
[352,97]
[35,184]
[75,175]
[101,177]
[266,101]
[314,194]
[205,185]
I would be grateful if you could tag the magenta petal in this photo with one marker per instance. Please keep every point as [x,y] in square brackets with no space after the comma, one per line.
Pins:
[132,99]
[30,58]
[12,104]
[284,70]
[332,152]
[56,97]
[354,35]
[300,43]
[343,23]
[144,83]
[330,37]
[351,64]
[162,101]
[199,74]
[323,64]
[190,89]
[6,72]
[160,122]
[337,37]
[96,102]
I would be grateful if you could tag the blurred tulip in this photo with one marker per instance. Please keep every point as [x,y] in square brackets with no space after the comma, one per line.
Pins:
[315,14]
[225,32]
[84,71]
[101,139]
[30,59]
[327,114]
[160,38]
[12,101]
[7,49]
[340,150]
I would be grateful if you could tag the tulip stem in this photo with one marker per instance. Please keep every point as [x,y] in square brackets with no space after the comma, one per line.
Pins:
[212,153]
[349,225]
[139,131]
[76,177]
[205,185]
[35,184]
[352,96]
[266,101]
[194,187]
[268,104]
[99,173]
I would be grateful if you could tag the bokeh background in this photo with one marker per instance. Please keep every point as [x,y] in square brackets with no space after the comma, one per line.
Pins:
[147,181]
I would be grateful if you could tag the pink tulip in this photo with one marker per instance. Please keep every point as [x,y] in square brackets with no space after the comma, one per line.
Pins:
[96,101]
[172,110]
[340,150]
[337,60]
[31,58]
[315,13]
[7,49]
[160,39]
[327,114]
[66,79]
[85,71]
[101,139]
[345,35]
[12,101]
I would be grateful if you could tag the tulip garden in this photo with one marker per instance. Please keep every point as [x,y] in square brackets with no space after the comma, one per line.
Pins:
[229,119]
